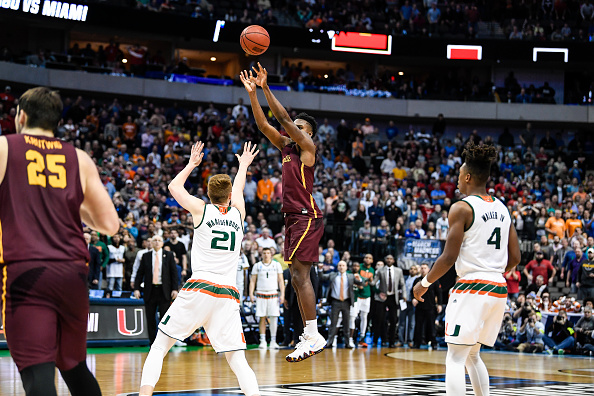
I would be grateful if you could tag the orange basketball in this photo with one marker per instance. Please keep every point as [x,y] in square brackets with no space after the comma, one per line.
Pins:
[254,40]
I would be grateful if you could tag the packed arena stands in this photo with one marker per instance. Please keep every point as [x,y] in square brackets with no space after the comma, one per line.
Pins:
[546,20]
[379,184]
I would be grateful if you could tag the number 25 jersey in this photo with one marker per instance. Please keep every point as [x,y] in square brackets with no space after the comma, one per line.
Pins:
[40,199]
[484,247]
[217,242]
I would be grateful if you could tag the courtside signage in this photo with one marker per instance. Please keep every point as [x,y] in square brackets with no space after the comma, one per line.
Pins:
[465,52]
[53,9]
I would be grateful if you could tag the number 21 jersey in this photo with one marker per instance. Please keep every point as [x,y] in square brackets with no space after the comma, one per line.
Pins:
[484,247]
[217,242]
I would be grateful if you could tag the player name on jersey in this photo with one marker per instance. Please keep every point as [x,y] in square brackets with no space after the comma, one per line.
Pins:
[222,222]
[492,216]
[42,143]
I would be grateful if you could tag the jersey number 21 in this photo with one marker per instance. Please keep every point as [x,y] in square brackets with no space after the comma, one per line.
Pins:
[215,243]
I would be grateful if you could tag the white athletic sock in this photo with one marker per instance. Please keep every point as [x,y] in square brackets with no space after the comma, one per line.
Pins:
[262,337]
[273,327]
[244,373]
[363,325]
[455,378]
[352,322]
[311,327]
[477,371]
[154,361]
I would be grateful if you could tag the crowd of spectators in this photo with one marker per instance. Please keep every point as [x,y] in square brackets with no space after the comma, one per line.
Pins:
[529,20]
[538,20]
[374,184]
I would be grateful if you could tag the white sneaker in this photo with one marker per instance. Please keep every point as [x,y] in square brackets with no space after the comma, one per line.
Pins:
[307,347]
[274,345]
[262,345]
[351,343]
[180,343]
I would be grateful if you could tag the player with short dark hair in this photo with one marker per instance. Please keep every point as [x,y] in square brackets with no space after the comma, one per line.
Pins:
[304,225]
[483,243]
[47,187]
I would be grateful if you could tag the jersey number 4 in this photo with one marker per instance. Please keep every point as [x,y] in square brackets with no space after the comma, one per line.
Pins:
[54,165]
[214,244]
[495,238]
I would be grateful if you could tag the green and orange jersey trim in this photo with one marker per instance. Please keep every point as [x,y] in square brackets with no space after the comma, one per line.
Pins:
[223,209]
[481,287]
[486,198]
[212,289]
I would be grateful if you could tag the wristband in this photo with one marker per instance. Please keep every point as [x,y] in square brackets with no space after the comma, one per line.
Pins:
[425,282]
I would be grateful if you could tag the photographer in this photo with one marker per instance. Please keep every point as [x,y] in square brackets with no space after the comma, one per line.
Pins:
[533,331]
[560,335]
[523,307]
[507,334]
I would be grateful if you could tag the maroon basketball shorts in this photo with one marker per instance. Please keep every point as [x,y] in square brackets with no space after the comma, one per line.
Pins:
[46,305]
[302,237]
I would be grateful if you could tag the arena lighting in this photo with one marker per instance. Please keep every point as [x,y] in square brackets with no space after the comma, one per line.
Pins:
[220,24]
[466,52]
[564,51]
[363,43]
[213,59]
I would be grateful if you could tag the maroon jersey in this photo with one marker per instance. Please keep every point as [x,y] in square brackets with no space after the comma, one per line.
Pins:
[298,180]
[40,200]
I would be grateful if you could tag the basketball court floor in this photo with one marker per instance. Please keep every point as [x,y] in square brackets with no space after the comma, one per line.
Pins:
[198,371]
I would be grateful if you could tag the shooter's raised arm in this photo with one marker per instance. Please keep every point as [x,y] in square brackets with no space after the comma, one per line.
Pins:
[300,137]
[271,133]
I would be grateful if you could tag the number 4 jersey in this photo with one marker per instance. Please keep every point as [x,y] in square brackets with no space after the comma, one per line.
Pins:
[484,248]
[40,199]
[217,242]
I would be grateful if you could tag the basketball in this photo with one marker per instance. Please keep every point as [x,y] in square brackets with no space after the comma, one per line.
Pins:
[254,40]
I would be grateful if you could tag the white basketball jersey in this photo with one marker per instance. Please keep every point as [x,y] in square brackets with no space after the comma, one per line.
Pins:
[267,276]
[484,248]
[217,243]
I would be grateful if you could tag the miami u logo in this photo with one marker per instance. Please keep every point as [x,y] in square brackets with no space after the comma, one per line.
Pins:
[138,323]
[456,331]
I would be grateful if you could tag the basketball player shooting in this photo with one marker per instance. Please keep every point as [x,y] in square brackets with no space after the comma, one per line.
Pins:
[304,225]
[483,244]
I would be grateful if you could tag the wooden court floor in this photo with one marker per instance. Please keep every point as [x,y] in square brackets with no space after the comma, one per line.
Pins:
[118,370]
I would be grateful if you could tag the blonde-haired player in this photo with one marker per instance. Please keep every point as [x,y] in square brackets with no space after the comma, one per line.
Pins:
[209,298]
[483,244]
